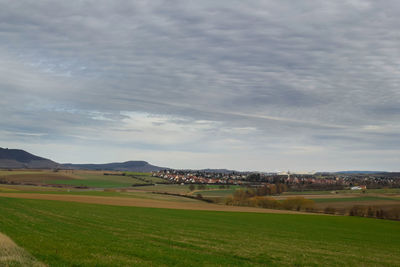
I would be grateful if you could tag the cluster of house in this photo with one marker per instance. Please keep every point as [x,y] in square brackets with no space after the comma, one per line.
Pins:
[239,178]
[190,177]
[202,177]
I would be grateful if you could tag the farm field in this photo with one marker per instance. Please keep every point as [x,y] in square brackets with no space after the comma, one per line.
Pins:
[330,192]
[344,200]
[61,233]
[125,185]
[355,198]
[143,192]
[169,188]
[211,190]
[77,178]
[152,200]
[12,255]
[147,177]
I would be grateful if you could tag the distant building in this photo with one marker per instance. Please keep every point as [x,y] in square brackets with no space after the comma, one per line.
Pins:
[360,187]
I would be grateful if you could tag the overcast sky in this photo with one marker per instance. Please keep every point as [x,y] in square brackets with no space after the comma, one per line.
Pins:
[246,85]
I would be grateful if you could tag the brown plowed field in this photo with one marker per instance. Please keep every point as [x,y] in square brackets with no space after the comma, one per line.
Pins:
[35,178]
[138,202]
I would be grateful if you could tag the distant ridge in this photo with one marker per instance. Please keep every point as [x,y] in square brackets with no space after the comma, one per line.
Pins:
[360,172]
[20,159]
[134,166]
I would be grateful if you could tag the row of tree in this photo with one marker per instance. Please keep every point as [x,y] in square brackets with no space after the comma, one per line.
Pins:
[368,211]
[270,189]
[252,199]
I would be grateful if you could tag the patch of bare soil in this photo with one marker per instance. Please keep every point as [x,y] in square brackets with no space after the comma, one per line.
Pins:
[139,202]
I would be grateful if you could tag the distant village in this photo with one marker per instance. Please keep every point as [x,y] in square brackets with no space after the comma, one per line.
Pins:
[328,181]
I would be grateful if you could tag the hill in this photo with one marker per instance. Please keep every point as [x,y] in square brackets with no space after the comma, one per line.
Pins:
[20,159]
[359,172]
[133,166]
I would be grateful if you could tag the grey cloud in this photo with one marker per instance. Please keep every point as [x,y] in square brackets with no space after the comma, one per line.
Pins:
[293,70]
[384,111]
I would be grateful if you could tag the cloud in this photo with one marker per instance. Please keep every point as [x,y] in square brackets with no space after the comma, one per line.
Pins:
[264,78]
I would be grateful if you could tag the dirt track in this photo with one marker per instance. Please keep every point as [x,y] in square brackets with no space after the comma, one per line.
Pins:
[138,202]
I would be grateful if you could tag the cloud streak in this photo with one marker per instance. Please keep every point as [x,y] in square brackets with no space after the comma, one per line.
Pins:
[240,85]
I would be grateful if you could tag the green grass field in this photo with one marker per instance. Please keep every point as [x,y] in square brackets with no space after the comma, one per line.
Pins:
[95,179]
[75,234]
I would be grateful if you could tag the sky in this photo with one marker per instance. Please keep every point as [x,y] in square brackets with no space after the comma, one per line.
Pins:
[244,85]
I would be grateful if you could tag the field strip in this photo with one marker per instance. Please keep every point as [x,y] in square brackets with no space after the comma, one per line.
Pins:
[13,255]
[281,197]
[149,203]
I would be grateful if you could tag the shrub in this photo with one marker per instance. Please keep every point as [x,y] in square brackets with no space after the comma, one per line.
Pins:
[376,212]
[109,190]
[298,203]
[366,211]
[240,198]
[266,202]
[330,210]
[229,201]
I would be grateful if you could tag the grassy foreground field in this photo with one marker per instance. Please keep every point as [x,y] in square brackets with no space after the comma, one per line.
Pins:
[76,234]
